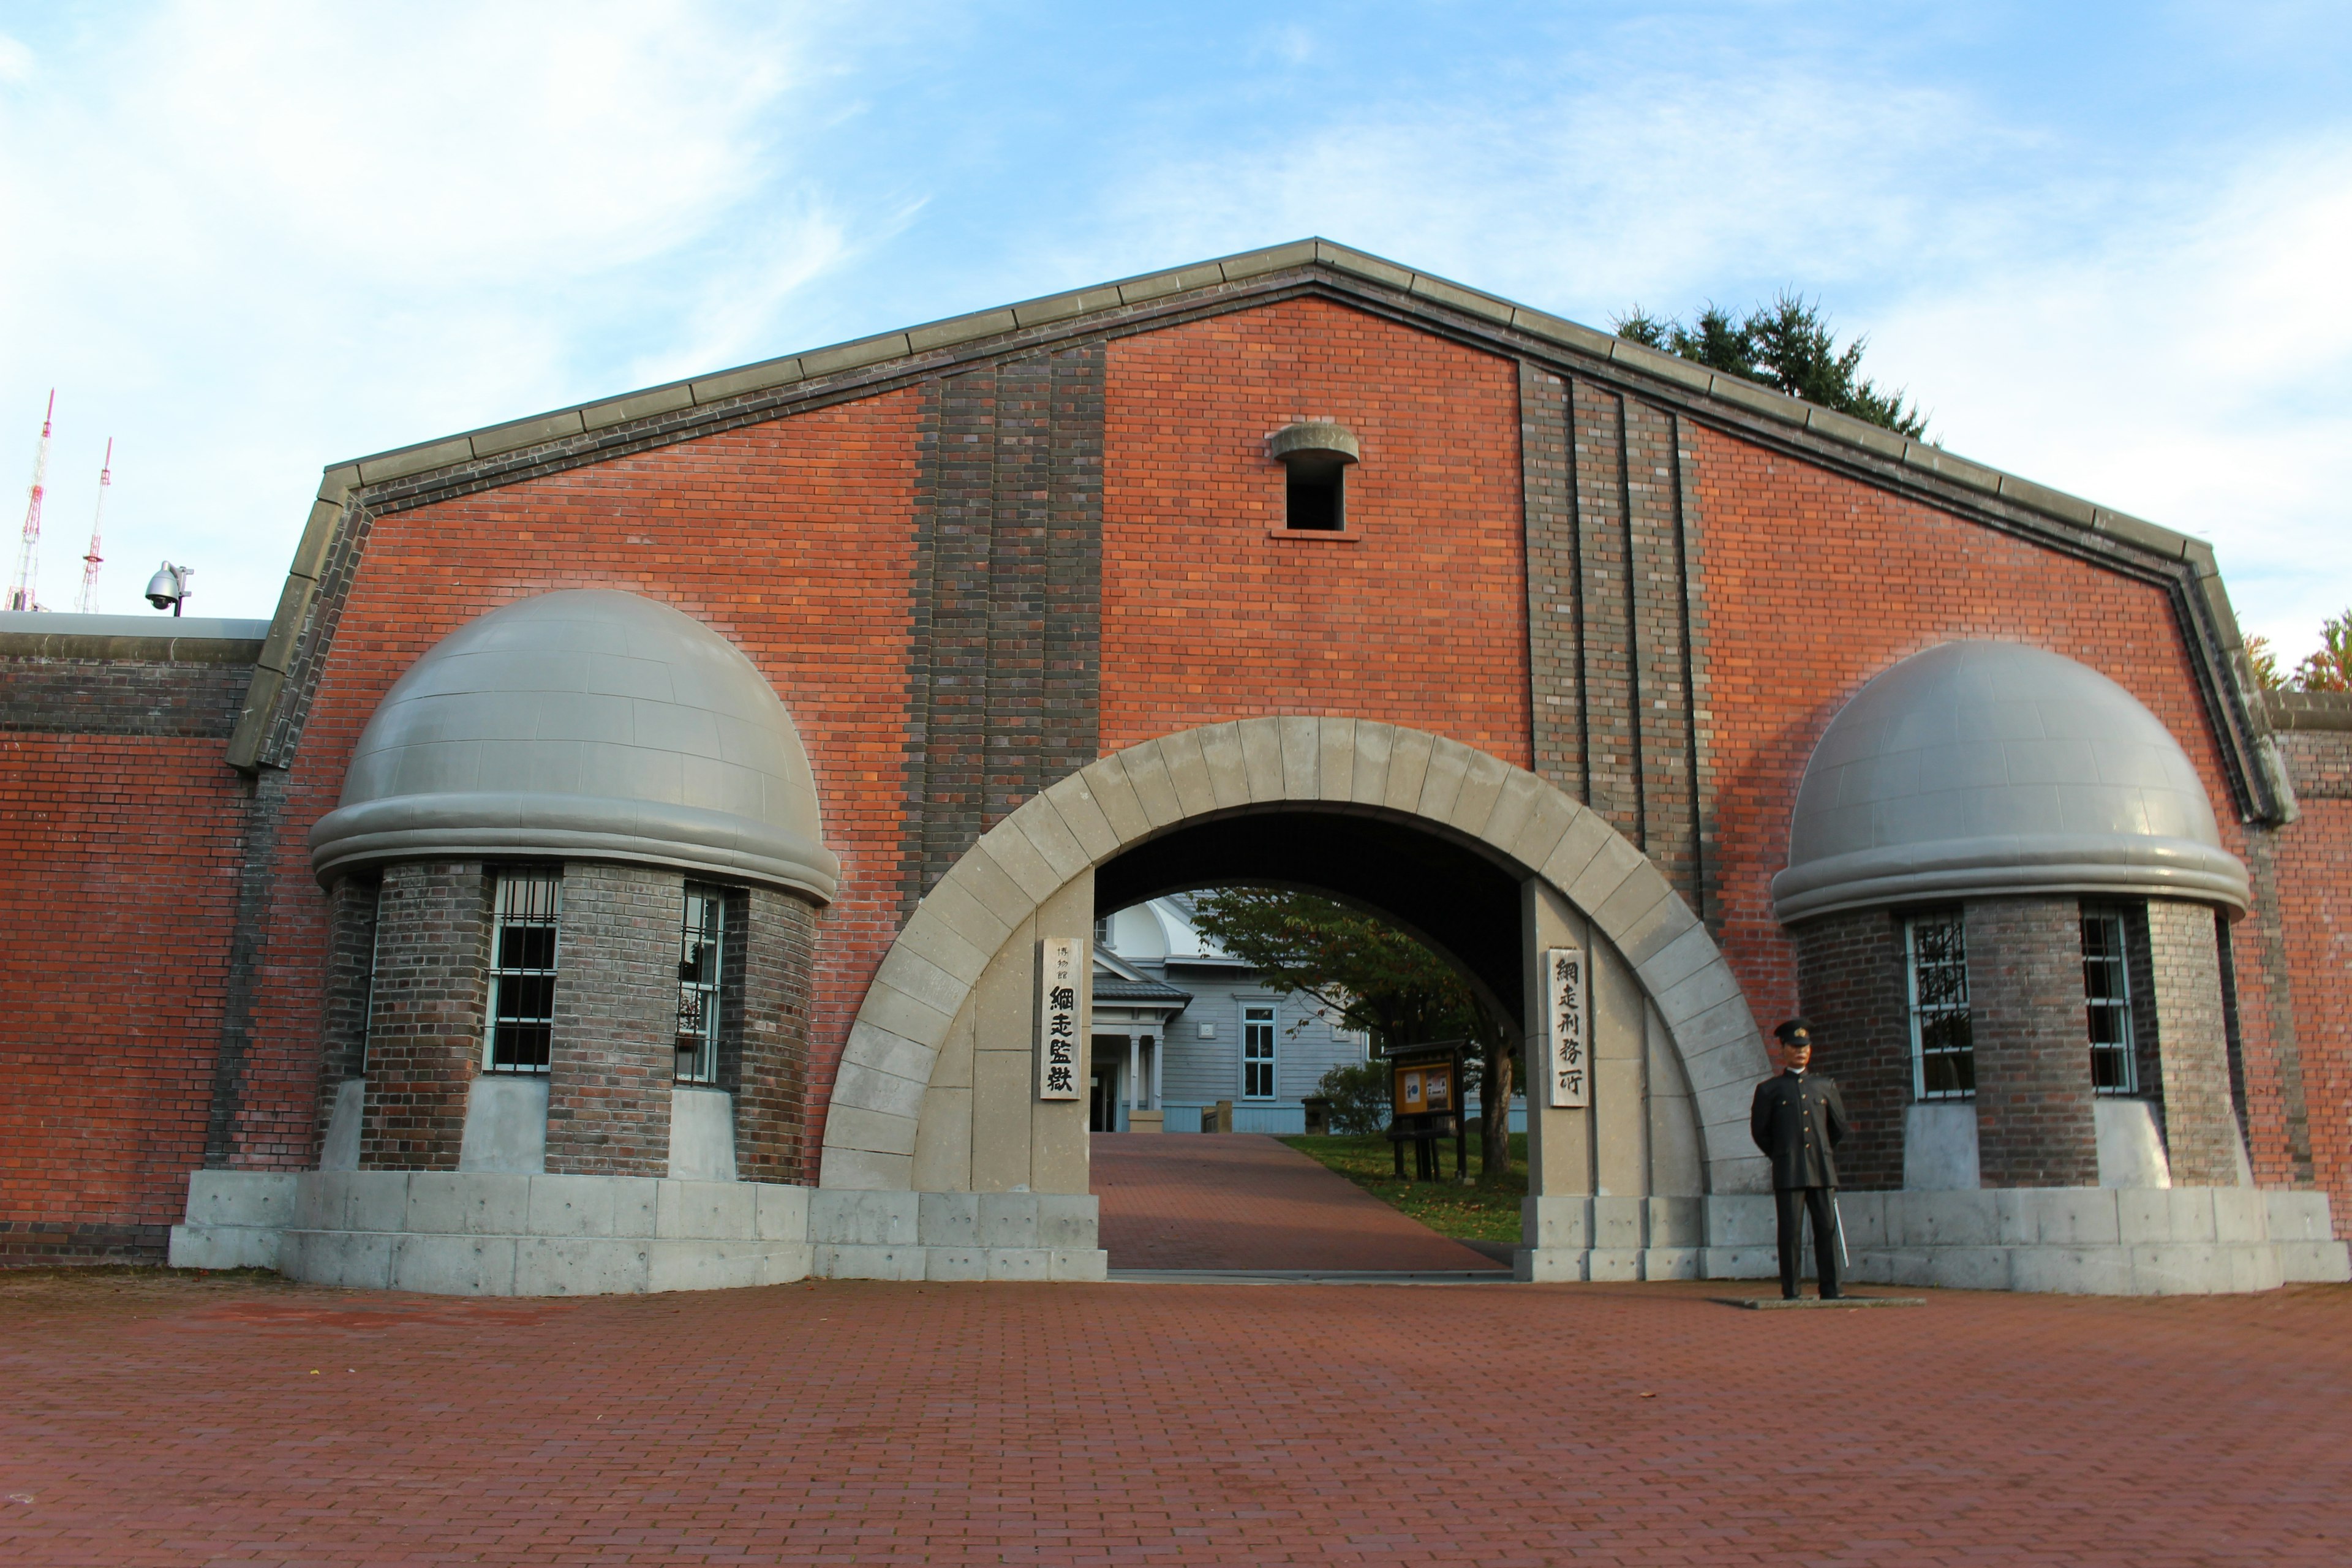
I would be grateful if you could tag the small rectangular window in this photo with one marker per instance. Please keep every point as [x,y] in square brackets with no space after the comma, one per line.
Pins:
[701,936]
[1943,1049]
[367,985]
[1258,1052]
[522,970]
[1318,497]
[2106,1002]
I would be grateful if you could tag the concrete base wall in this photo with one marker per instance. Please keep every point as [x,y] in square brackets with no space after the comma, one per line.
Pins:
[2093,1241]
[479,1233]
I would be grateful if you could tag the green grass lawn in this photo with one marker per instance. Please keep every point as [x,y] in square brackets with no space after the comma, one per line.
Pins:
[1481,1212]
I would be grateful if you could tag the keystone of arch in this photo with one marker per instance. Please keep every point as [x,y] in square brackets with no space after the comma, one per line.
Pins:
[1122,800]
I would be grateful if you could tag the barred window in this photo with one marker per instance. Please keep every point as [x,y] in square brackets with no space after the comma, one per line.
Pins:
[522,970]
[1943,1048]
[701,936]
[2106,1002]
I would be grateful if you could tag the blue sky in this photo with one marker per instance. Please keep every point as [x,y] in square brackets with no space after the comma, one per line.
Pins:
[2105,246]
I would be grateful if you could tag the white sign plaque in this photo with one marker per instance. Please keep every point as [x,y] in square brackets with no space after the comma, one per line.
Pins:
[1568,1011]
[1061,981]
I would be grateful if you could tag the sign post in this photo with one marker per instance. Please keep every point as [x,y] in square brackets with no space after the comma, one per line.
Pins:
[1061,975]
[1567,1027]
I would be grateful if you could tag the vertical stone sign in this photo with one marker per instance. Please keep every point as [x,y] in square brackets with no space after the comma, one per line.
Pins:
[1060,978]
[1567,1027]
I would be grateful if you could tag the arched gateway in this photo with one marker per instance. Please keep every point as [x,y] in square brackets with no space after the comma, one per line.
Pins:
[935,1112]
[588,913]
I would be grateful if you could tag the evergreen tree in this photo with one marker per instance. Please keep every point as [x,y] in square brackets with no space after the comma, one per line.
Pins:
[1787,346]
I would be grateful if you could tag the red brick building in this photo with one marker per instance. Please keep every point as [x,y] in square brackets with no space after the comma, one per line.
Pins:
[1298,566]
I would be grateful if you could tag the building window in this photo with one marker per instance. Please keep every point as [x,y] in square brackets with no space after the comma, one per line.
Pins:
[701,936]
[1943,1049]
[1316,497]
[1258,1052]
[522,970]
[2106,1002]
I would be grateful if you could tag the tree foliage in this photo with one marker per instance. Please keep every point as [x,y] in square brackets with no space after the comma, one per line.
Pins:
[1787,345]
[2330,669]
[1371,977]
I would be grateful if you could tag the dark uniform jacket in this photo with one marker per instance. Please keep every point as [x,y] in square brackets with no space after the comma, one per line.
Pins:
[1798,1119]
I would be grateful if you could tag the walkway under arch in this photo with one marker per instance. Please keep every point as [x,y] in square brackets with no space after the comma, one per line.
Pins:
[1033,874]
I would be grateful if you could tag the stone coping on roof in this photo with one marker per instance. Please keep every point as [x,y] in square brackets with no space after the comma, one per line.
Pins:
[162,639]
[2309,710]
[787,370]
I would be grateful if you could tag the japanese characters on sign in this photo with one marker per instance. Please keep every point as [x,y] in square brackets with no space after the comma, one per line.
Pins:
[1567,1027]
[1061,976]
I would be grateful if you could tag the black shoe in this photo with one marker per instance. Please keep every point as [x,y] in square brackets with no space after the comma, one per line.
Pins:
[1832,1295]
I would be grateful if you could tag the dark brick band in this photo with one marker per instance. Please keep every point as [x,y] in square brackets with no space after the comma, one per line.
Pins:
[91,697]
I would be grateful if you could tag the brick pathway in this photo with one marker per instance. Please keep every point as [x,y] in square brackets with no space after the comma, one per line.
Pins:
[179,1422]
[1240,1201]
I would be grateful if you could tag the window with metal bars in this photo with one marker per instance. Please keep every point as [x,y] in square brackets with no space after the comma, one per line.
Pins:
[1258,1052]
[700,943]
[2106,1002]
[524,910]
[1943,1045]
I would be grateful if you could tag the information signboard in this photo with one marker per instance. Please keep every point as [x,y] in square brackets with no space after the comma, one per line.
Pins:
[1061,982]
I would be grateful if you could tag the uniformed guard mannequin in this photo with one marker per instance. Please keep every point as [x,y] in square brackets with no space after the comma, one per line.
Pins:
[1797,1120]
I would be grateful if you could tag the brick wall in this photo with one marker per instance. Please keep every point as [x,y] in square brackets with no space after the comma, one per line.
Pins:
[2200,1132]
[771,947]
[424,1031]
[615,1050]
[2313,860]
[1854,994]
[823,502]
[1814,583]
[2034,1126]
[120,834]
[1418,619]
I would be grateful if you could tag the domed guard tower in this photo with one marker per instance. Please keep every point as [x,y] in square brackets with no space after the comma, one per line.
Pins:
[665,830]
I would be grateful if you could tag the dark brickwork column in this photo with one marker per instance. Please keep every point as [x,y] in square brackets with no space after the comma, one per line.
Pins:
[615,1048]
[1851,988]
[432,988]
[1555,632]
[2200,1122]
[1006,651]
[772,952]
[351,944]
[1612,731]
[2034,1126]
[1661,645]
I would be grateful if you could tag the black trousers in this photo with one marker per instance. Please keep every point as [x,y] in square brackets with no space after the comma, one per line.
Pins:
[1794,1204]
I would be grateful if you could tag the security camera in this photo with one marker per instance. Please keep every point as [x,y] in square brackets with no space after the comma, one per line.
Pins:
[168,589]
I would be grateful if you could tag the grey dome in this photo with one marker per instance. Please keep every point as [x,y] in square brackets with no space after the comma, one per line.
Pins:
[592,725]
[1985,768]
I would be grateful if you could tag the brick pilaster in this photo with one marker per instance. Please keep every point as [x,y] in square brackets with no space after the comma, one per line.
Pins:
[772,952]
[2034,1126]
[424,1037]
[616,1047]
[1851,988]
[2199,1123]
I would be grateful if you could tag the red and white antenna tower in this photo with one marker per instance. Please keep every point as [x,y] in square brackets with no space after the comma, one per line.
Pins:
[96,521]
[21,587]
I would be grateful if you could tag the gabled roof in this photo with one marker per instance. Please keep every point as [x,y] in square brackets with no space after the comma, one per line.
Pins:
[680,410]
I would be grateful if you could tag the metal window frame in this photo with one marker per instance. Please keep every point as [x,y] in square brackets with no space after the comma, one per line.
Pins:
[1913,1009]
[501,878]
[1272,1022]
[710,991]
[2120,1004]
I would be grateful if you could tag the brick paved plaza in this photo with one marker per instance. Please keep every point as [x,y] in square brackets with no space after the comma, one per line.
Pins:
[170,1420]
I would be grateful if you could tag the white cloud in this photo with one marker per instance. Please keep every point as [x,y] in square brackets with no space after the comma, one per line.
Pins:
[254,238]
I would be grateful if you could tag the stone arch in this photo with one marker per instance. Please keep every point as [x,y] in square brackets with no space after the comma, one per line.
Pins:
[1059,836]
